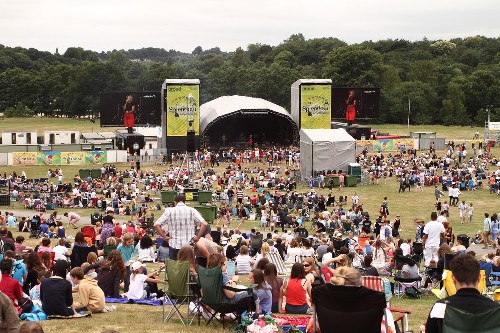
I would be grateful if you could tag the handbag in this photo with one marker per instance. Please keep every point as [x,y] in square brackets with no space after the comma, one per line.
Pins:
[24,305]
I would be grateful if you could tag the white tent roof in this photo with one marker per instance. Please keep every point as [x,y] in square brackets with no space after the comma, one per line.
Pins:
[228,104]
[326,135]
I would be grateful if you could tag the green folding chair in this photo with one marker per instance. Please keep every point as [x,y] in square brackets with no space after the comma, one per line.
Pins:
[212,300]
[458,321]
[178,292]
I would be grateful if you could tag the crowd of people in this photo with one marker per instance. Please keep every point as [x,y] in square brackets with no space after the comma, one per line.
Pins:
[306,230]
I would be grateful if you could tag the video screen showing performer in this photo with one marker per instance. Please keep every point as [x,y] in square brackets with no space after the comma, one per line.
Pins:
[351,104]
[129,109]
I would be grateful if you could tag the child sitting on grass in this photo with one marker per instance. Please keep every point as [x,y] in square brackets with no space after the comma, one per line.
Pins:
[91,296]
[137,281]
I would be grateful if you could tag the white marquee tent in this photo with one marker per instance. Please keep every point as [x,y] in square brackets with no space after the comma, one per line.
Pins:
[325,149]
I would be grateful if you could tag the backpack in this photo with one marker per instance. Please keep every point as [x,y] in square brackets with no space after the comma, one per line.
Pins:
[413,292]
[387,232]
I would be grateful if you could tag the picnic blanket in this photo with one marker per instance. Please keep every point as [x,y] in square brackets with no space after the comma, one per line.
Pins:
[285,322]
[85,315]
[153,302]
[292,320]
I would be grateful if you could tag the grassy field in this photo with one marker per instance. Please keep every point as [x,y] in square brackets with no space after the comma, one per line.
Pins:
[41,124]
[410,205]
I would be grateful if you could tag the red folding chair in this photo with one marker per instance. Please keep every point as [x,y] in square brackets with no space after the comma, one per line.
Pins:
[377,283]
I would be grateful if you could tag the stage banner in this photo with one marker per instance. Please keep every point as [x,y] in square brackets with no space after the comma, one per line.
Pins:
[182,105]
[95,157]
[24,158]
[404,143]
[383,145]
[73,158]
[363,143]
[48,158]
[315,106]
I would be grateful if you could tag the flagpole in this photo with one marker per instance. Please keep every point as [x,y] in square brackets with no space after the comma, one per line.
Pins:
[409,108]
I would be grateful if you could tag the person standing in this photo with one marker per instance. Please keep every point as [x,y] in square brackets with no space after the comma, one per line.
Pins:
[463,207]
[486,230]
[466,275]
[456,195]
[396,225]
[181,222]
[351,105]
[355,200]
[129,109]
[470,212]
[433,231]
[437,193]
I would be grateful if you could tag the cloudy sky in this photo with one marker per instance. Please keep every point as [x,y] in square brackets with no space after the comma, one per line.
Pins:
[104,25]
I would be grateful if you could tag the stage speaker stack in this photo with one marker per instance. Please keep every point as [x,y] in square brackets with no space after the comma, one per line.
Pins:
[190,143]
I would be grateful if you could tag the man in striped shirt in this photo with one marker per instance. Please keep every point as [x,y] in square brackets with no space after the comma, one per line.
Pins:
[181,223]
[239,196]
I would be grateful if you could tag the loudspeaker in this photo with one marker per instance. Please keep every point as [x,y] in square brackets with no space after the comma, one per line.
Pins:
[4,200]
[134,143]
[190,143]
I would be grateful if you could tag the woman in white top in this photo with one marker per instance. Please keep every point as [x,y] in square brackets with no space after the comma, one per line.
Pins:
[307,250]
[294,252]
[379,256]
[146,250]
[263,217]
[243,262]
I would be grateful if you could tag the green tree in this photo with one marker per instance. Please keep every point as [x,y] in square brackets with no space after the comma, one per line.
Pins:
[415,99]
[353,66]
[453,111]
[19,110]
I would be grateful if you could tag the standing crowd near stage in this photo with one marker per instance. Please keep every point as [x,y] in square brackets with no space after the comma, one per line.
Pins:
[300,230]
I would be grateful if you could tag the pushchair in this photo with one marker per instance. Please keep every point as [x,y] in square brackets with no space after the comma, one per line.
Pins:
[35,229]
[89,234]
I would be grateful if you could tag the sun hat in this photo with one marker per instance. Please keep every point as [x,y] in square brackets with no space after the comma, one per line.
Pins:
[136,265]
[234,241]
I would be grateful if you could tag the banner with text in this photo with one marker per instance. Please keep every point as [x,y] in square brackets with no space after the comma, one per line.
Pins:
[25,158]
[73,158]
[182,106]
[315,106]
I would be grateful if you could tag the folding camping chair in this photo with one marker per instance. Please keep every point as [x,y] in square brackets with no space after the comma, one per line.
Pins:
[379,284]
[179,292]
[458,321]
[401,280]
[344,314]
[210,282]
[276,259]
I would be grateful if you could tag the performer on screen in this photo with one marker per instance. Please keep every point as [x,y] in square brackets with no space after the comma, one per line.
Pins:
[351,104]
[129,115]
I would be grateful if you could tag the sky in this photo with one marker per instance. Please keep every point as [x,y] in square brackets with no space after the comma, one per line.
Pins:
[105,25]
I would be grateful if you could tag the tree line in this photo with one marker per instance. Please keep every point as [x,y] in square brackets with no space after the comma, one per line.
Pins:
[450,82]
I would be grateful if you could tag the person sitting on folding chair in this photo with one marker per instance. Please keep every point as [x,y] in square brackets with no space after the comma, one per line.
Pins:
[467,300]
[349,276]
[217,259]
